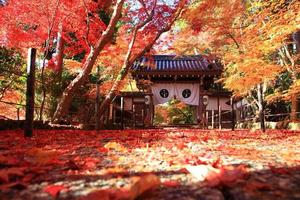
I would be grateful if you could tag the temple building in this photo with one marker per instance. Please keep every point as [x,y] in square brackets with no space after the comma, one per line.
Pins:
[160,78]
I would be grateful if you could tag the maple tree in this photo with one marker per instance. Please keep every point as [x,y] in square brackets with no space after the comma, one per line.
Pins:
[49,24]
[249,37]
[144,35]
[84,31]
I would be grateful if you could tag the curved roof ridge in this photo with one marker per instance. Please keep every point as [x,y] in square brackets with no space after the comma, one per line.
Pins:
[181,64]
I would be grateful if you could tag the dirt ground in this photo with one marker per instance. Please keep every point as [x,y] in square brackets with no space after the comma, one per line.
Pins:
[150,164]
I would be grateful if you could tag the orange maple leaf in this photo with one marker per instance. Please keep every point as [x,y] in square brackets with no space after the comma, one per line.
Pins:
[42,156]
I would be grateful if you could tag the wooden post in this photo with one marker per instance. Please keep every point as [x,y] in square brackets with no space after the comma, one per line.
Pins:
[206,118]
[132,112]
[18,114]
[134,118]
[212,118]
[152,110]
[97,106]
[111,111]
[220,117]
[122,113]
[219,114]
[143,117]
[232,114]
[28,126]
[200,105]
[114,116]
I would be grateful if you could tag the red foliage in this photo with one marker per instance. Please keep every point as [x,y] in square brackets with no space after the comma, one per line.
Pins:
[32,23]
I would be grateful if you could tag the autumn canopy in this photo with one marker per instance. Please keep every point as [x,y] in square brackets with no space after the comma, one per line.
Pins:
[256,42]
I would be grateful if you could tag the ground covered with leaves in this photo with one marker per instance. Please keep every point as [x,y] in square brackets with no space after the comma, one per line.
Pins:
[150,164]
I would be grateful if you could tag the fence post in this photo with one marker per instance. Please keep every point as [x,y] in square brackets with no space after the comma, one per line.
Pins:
[28,125]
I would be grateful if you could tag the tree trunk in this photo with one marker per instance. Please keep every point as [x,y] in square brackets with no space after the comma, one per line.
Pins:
[59,52]
[289,62]
[129,60]
[261,108]
[66,99]
[97,114]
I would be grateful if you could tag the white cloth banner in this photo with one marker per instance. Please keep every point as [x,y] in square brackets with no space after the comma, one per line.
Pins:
[188,93]
[185,92]
[162,93]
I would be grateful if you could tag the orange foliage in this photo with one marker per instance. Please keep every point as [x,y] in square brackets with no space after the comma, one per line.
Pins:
[245,35]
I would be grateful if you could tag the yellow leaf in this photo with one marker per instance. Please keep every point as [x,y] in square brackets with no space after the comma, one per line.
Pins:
[115,146]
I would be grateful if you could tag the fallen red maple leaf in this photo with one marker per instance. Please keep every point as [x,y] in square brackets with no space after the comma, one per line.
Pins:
[90,163]
[102,150]
[171,183]
[54,190]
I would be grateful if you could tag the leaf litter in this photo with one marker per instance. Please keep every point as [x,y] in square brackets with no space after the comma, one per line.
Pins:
[150,164]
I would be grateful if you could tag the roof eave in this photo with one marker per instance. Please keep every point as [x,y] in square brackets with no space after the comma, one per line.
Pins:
[190,72]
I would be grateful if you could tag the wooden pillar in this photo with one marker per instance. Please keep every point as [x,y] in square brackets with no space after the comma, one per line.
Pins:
[206,118]
[152,110]
[200,104]
[111,113]
[18,114]
[132,112]
[114,113]
[122,113]
[143,116]
[219,114]
[28,126]
[212,118]
[232,114]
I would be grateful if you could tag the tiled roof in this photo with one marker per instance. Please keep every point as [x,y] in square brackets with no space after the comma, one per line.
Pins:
[172,63]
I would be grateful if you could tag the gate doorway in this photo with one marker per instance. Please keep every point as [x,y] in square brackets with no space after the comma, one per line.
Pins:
[175,113]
